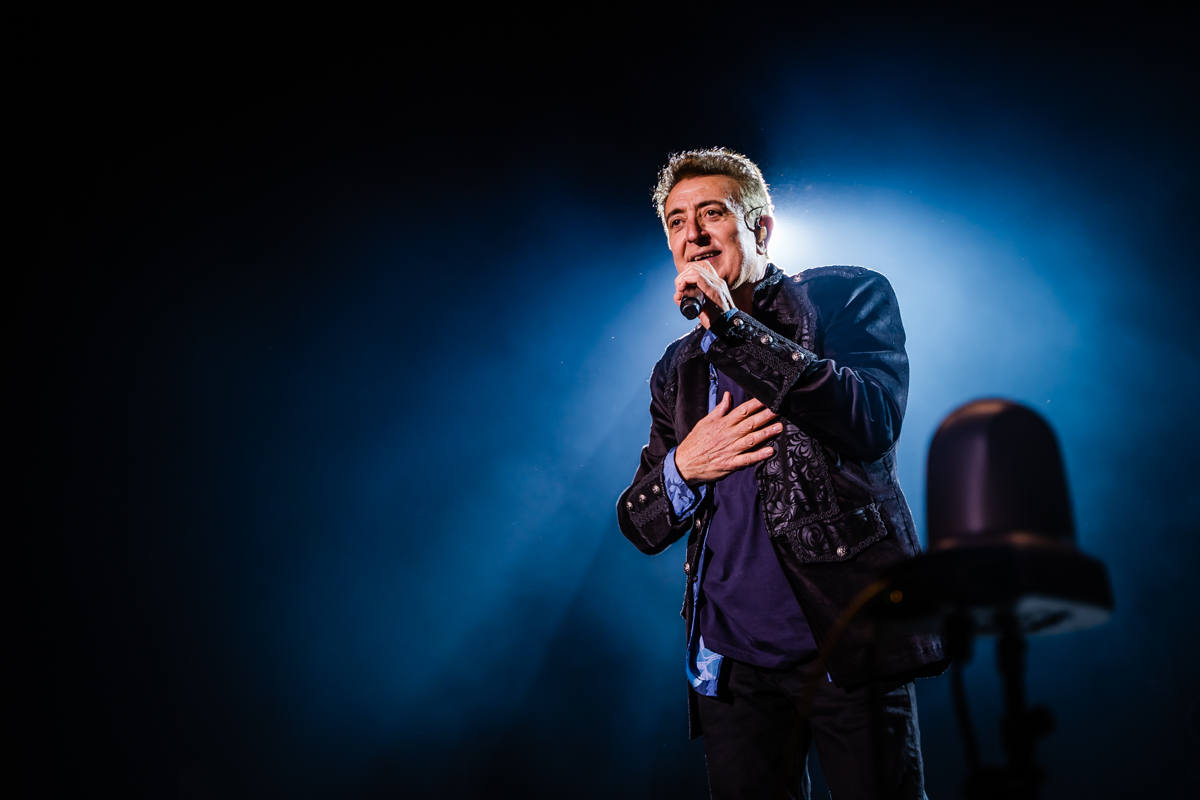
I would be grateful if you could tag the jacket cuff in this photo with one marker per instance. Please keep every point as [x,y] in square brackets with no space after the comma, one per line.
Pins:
[758,358]
[647,500]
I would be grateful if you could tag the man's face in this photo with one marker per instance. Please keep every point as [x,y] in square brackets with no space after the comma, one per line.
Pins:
[704,222]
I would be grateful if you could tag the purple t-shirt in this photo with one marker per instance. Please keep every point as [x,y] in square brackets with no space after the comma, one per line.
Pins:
[747,609]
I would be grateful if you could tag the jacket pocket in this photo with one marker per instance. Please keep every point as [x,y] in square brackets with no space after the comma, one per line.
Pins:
[840,537]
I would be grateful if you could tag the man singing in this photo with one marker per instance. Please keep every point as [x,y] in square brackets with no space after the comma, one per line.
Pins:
[772,448]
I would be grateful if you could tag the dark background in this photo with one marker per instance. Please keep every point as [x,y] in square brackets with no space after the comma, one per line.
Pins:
[333,357]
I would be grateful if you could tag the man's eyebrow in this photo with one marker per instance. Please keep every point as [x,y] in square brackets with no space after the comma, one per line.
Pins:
[702,204]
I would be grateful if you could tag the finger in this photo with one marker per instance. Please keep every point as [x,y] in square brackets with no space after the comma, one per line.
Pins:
[705,271]
[696,282]
[722,406]
[688,277]
[713,295]
[752,457]
[749,407]
[684,288]
[756,421]
[701,276]
[753,437]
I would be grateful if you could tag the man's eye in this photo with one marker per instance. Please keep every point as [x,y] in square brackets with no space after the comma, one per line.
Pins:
[712,212]
[674,223]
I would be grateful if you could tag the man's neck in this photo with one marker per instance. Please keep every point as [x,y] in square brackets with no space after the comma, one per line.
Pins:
[743,296]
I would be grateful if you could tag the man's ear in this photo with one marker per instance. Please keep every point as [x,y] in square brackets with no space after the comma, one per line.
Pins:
[763,231]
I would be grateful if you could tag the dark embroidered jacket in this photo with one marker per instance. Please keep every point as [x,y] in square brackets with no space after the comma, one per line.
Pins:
[825,350]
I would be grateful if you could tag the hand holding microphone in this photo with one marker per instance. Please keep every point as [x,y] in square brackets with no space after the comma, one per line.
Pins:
[701,292]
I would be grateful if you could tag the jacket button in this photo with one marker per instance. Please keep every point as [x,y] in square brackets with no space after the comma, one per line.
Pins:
[697,522]
[765,339]
[841,551]
[629,505]
[655,489]
[796,356]
[687,568]
[641,498]
[737,322]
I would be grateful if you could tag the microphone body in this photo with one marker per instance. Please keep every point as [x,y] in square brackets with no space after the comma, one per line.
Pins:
[690,306]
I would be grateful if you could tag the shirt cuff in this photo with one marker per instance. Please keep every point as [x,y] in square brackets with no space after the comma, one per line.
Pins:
[683,499]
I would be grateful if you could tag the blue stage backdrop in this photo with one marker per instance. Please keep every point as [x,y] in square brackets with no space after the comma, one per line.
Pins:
[349,348]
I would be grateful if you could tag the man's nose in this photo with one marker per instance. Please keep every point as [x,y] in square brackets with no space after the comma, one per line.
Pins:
[695,230]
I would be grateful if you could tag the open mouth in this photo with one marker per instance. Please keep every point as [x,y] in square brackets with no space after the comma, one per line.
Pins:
[705,256]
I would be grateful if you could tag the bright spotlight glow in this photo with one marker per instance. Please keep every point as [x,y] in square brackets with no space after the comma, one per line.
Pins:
[790,246]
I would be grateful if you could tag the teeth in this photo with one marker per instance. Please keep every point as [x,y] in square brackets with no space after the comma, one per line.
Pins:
[704,257]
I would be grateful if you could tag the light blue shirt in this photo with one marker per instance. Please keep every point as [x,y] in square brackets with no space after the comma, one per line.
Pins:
[703,666]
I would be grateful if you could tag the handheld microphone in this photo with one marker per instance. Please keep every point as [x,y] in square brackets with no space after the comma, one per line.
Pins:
[690,306]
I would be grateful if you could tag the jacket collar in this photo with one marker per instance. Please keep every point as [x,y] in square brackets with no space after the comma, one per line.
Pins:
[762,295]
[772,276]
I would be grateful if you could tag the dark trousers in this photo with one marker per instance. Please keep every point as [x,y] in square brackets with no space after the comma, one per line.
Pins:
[756,740]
